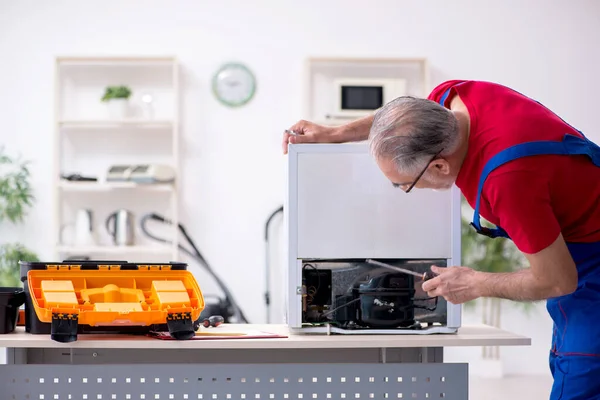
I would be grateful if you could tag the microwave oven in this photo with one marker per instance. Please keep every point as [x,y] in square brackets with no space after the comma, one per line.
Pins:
[357,97]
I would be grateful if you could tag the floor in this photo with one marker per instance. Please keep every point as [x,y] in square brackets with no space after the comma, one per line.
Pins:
[510,387]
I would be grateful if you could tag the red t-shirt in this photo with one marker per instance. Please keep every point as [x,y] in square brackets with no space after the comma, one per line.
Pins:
[533,198]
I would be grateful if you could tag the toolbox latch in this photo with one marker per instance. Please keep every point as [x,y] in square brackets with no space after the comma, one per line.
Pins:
[64,327]
[153,267]
[109,267]
[181,326]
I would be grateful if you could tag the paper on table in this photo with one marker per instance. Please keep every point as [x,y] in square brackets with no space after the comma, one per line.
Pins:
[206,335]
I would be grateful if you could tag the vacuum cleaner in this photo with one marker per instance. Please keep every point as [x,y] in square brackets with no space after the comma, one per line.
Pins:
[227,307]
[267,266]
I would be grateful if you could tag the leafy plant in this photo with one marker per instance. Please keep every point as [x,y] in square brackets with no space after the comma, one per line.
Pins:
[15,191]
[116,92]
[489,255]
[485,254]
[16,196]
[10,255]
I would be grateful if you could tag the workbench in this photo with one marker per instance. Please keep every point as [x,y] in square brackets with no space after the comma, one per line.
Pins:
[108,366]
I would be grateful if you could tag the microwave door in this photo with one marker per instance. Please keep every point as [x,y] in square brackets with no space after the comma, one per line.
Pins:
[362,98]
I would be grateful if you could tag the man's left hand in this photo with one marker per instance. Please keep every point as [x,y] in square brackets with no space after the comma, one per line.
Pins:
[456,284]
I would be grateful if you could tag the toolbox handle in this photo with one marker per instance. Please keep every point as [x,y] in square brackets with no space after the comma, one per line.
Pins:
[71,260]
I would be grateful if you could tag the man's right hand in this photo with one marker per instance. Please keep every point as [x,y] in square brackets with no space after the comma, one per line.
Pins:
[309,132]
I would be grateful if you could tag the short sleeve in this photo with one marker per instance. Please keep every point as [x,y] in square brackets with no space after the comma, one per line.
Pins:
[439,90]
[521,202]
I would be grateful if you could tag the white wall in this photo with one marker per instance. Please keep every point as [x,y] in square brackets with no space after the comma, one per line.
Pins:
[233,164]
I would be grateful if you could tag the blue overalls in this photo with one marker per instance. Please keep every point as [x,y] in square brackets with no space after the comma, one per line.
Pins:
[575,352]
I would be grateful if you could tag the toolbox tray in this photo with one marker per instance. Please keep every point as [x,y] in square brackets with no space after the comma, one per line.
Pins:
[74,297]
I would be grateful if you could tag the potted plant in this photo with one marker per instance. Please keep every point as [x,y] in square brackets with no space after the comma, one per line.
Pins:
[16,197]
[117,99]
[490,255]
[10,255]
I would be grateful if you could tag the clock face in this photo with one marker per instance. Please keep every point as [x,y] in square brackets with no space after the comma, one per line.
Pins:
[234,84]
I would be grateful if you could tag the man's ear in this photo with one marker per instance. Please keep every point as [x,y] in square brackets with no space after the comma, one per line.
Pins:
[441,166]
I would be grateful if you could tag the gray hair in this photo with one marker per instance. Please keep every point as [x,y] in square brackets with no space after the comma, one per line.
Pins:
[410,131]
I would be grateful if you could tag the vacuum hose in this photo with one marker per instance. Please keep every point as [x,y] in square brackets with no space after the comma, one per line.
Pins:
[268,269]
[239,314]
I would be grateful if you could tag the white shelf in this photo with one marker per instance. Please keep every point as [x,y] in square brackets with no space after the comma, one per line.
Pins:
[127,123]
[367,60]
[88,141]
[116,61]
[321,96]
[109,186]
[157,249]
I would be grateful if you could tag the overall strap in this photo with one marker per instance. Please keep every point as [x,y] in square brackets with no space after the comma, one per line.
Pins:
[570,145]
[447,93]
[497,232]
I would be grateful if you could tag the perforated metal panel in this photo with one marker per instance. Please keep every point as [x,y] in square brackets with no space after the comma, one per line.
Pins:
[234,381]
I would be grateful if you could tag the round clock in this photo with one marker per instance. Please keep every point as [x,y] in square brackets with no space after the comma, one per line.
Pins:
[234,84]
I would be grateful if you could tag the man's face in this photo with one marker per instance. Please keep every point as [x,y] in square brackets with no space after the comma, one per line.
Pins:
[436,176]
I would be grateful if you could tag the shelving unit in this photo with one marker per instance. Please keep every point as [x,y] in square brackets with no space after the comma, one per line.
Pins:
[321,72]
[123,124]
[89,140]
[110,186]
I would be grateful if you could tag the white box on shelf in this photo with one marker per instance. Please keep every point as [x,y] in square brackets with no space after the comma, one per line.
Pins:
[322,94]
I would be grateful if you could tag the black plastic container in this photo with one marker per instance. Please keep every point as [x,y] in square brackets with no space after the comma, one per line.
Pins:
[11,299]
[35,326]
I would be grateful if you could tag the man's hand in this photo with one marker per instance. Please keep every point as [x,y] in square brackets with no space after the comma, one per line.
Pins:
[309,132]
[552,274]
[455,284]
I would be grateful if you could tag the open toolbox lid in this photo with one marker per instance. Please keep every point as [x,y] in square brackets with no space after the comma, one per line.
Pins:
[109,294]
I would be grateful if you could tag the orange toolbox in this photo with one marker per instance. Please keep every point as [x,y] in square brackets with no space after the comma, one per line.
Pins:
[73,297]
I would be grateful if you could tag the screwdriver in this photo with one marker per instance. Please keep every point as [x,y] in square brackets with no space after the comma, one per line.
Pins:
[424,276]
[214,321]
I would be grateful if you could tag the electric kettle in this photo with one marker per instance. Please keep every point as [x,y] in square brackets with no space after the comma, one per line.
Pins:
[84,228]
[121,226]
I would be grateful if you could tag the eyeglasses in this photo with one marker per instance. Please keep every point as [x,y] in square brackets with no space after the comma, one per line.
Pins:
[412,185]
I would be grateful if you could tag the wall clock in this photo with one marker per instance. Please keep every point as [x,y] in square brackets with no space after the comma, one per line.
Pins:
[234,84]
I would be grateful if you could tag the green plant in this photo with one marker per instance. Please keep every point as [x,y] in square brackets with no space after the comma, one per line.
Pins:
[485,254]
[15,190]
[489,255]
[10,255]
[16,196]
[116,92]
